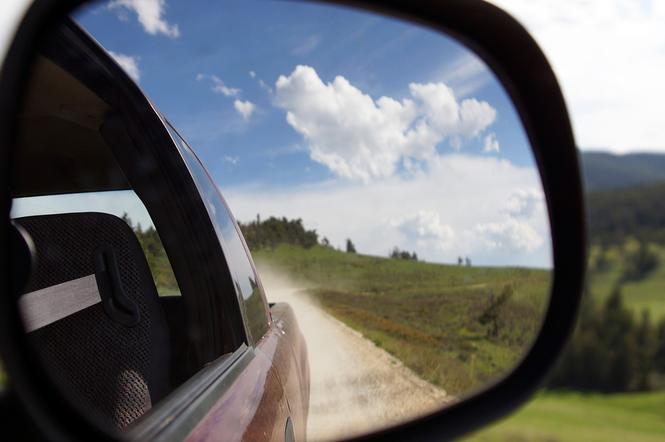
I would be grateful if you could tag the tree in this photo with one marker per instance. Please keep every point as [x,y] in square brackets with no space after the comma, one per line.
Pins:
[618,338]
[659,351]
[467,261]
[491,314]
[396,253]
[646,347]
[350,248]
[639,264]
[274,231]
[460,261]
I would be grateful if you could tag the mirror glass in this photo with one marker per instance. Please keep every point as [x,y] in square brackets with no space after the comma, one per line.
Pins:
[379,173]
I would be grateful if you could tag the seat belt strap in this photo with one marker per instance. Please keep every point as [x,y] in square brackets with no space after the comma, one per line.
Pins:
[45,306]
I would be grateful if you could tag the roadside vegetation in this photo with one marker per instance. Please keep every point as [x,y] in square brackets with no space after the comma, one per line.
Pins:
[159,264]
[458,327]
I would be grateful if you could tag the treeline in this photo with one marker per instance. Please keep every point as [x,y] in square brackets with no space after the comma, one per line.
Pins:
[274,231]
[611,351]
[155,254]
[617,214]
[396,253]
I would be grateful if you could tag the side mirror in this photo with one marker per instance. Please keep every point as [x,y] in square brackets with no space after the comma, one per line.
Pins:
[241,357]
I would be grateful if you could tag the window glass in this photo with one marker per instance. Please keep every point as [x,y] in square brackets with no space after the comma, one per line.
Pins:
[244,277]
[124,204]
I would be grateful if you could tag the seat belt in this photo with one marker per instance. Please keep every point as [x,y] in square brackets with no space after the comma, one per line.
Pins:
[45,306]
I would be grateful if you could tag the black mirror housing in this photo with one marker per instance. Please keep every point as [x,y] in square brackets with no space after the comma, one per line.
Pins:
[523,71]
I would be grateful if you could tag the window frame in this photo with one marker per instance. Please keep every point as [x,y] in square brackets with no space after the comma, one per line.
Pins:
[252,338]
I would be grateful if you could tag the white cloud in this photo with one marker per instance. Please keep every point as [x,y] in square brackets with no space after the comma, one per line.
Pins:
[128,63]
[150,14]
[490,143]
[265,86]
[509,234]
[244,108]
[218,85]
[252,74]
[307,45]
[360,138]
[610,60]
[426,226]
[466,74]
[524,203]
[460,206]
[233,160]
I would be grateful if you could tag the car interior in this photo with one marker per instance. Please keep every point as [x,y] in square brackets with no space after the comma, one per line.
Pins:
[91,306]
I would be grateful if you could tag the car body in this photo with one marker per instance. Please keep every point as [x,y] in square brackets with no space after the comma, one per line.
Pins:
[223,359]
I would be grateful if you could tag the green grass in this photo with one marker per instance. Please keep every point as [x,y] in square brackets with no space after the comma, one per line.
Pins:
[427,315]
[578,417]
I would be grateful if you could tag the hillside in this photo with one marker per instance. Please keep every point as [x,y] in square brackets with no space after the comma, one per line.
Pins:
[604,170]
[457,327]
[613,215]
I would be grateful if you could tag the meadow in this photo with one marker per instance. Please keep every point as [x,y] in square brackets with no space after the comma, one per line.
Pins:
[573,416]
[458,327]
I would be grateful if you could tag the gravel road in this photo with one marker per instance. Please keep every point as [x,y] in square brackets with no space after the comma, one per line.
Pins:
[355,385]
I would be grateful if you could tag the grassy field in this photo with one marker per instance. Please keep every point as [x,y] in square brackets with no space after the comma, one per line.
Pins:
[647,293]
[448,323]
[576,417]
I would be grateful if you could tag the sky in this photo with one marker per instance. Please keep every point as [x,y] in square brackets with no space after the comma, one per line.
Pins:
[609,57]
[365,127]
[376,130]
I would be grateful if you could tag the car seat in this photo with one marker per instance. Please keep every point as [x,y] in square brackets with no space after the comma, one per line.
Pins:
[93,314]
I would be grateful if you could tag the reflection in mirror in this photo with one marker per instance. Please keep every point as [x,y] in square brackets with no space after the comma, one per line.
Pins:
[382,181]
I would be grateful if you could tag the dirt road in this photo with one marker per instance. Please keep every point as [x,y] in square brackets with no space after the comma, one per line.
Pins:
[355,385]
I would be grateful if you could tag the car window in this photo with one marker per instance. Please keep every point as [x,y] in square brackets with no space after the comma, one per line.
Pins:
[127,295]
[125,204]
[245,280]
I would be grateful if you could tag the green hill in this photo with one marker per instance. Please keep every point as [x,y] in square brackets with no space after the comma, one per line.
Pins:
[614,215]
[458,327]
[604,170]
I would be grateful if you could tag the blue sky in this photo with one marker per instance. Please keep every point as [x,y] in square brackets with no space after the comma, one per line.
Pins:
[328,114]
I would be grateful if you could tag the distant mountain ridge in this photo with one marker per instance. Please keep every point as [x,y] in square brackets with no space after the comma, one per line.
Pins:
[604,170]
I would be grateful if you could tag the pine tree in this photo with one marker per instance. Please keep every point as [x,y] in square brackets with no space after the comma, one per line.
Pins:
[350,248]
